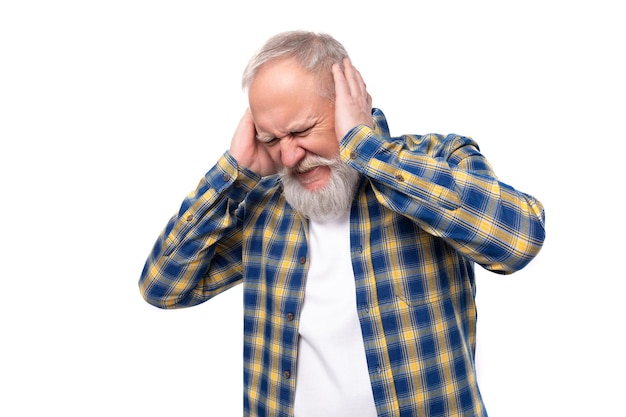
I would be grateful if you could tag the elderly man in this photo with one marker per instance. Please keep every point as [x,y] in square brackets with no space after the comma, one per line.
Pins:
[356,249]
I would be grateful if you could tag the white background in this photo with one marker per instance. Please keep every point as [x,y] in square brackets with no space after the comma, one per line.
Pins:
[111,111]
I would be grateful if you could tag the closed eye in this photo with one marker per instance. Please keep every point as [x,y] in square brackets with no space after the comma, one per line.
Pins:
[302,132]
[270,140]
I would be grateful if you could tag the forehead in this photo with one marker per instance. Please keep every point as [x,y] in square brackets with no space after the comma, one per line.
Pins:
[284,97]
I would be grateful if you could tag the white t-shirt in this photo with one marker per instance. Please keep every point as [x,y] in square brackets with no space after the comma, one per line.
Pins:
[332,377]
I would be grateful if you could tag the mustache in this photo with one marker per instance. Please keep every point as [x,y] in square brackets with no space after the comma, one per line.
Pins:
[311,162]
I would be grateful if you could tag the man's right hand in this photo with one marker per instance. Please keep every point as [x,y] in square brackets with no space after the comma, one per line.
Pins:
[248,151]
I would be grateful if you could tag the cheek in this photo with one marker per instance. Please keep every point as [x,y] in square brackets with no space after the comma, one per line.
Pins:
[325,144]
[274,153]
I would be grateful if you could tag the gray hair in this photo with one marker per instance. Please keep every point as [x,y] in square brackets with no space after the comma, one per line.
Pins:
[315,52]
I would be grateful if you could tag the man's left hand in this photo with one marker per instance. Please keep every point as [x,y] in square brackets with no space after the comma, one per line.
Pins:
[353,104]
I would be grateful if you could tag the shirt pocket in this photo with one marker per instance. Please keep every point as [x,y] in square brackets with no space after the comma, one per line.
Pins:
[416,289]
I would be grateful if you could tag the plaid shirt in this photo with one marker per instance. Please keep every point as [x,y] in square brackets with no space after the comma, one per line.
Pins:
[428,207]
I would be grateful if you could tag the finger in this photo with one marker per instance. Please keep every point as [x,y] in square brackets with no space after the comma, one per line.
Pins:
[342,88]
[355,80]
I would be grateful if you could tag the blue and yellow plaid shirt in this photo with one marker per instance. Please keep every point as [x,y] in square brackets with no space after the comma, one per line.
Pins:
[427,209]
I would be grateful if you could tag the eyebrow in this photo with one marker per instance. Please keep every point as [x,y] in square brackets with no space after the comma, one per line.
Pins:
[264,138]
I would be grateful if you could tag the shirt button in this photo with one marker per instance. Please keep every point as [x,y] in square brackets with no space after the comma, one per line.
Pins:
[302,260]
[353,155]
[287,374]
[189,218]
[400,178]
[226,177]
[290,316]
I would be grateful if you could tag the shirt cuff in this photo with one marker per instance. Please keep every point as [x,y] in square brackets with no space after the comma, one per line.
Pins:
[232,179]
[359,145]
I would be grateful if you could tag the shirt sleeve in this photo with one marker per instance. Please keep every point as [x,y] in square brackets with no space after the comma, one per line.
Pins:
[198,254]
[447,186]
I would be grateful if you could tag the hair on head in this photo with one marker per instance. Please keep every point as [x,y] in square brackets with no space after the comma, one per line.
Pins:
[315,52]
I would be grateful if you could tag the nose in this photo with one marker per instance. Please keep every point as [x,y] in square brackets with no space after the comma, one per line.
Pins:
[291,153]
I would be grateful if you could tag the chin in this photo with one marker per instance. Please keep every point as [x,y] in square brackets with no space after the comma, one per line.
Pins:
[322,198]
[314,185]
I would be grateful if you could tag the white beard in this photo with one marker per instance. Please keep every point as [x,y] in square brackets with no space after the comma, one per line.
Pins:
[330,201]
